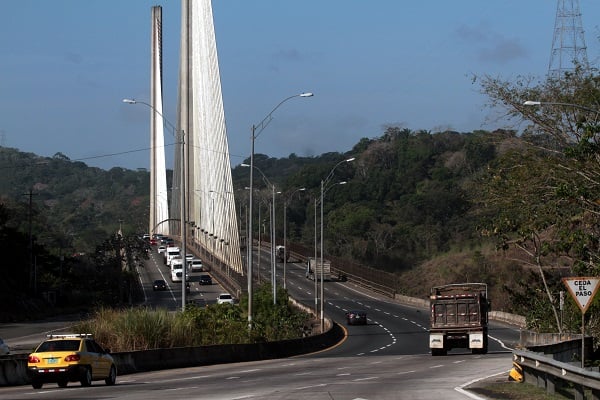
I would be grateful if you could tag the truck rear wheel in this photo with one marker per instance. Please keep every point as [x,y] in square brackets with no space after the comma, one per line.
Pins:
[438,352]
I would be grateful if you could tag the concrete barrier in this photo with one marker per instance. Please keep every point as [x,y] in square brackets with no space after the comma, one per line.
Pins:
[499,316]
[13,369]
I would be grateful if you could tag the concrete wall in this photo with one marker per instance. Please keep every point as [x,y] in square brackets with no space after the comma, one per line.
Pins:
[499,316]
[13,369]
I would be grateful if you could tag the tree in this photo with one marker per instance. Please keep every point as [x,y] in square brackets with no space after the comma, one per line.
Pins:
[548,189]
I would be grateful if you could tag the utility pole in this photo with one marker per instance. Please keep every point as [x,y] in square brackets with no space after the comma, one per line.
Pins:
[32,272]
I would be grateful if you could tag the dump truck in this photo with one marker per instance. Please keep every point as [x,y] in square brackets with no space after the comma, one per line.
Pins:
[459,318]
[282,254]
[313,267]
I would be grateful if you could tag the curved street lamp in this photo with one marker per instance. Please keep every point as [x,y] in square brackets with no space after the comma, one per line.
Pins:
[323,190]
[285,249]
[182,192]
[550,103]
[272,232]
[256,130]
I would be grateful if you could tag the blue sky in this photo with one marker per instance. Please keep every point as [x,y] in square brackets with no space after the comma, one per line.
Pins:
[66,65]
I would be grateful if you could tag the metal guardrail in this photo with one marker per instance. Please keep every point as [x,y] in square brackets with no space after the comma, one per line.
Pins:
[550,374]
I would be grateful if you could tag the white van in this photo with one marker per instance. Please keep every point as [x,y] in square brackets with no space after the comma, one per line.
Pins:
[170,253]
[176,275]
[176,263]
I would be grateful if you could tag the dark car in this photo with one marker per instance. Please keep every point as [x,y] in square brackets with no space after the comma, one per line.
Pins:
[159,284]
[205,280]
[356,318]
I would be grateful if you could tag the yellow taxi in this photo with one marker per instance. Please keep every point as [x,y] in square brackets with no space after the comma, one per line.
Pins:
[65,358]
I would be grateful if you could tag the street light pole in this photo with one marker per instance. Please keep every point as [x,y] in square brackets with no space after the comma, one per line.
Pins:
[285,249]
[271,232]
[314,272]
[273,259]
[256,130]
[323,188]
[182,193]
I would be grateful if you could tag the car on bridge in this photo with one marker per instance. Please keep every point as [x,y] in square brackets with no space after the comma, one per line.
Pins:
[205,280]
[159,284]
[196,265]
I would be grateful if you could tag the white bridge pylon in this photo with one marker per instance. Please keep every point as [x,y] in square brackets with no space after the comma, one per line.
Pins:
[210,205]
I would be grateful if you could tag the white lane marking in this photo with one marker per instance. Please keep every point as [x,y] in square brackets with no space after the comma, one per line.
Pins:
[460,389]
[311,386]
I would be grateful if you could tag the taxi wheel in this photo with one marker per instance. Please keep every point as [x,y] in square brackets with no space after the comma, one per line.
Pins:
[36,384]
[86,377]
[112,376]
[63,383]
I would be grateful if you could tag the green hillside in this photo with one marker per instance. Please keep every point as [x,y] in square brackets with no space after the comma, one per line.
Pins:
[515,210]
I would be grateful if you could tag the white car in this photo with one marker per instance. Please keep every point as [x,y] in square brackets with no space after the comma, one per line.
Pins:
[4,350]
[225,298]
[161,249]
[196,265]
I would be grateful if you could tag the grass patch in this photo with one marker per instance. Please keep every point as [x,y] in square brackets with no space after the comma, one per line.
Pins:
[515,391]
[144,328]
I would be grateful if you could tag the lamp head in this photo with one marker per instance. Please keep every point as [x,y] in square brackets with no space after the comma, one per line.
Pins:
[307,94]
[129,101]
[532,103]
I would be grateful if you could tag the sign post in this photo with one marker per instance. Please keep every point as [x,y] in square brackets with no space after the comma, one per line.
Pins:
[583,290]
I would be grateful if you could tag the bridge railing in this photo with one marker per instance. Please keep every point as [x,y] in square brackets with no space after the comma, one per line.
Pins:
[364,276]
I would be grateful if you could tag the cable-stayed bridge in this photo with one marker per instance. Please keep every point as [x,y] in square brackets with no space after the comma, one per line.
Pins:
[201,212]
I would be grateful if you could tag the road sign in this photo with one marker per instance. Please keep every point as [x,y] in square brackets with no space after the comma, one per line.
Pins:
[582,289]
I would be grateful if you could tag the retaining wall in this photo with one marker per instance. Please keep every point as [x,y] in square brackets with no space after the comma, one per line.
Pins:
[13,369]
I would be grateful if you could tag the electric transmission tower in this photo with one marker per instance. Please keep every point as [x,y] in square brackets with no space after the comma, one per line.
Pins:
[568,43]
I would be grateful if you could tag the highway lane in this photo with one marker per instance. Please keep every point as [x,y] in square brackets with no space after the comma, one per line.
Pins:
[393,328]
